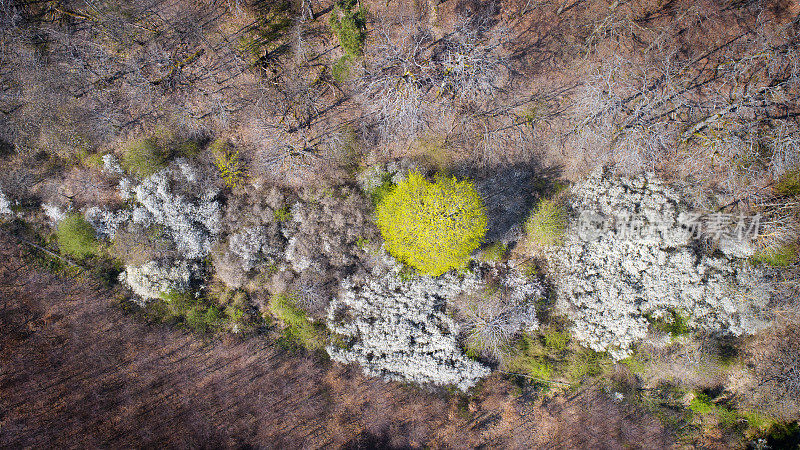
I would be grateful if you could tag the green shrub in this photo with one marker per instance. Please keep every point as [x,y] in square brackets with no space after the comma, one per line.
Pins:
[780,256]
[187,148]
[143,158]
[182,307]
[530,271]
[495,252]
[545,227]
[341,69]
[673,323]
[349,24]
[76,237]
[282,214]
[552,355]
[726,417]
[180,302]
[535,112]
[529,357]
[758,420]
[537,368]
[584,362]
[386,186]
[298,327]
[789,183]
[701,404]
[228,163]
[362,243]
[408,273]
[635,363]
[555,339]
[783,435]
[250,49]
[93,161]
[235,313]
[432,227]
[204,318]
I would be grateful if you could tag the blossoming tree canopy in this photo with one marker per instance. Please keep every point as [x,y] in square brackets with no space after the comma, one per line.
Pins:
[432,226]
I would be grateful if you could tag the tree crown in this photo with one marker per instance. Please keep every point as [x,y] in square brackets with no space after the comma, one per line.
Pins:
[432,226]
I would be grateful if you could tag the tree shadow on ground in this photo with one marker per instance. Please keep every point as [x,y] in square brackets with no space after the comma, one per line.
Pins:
[509,193]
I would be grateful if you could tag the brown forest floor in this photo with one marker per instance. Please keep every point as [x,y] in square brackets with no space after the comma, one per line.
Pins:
[77,371]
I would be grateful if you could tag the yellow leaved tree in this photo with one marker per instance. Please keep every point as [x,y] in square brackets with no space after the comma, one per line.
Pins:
[432,226]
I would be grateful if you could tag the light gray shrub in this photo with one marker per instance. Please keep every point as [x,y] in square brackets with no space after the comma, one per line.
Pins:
[399,329]
[324,229]
[153,279]
[106,223]
[194,223]
[245,251]
[608,281]
[54,213]
[252,245]
[111,165]
[126,188]
[5,204]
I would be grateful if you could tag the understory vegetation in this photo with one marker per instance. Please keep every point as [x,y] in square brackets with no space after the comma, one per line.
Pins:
[546,223]
[299,329]
[76,237]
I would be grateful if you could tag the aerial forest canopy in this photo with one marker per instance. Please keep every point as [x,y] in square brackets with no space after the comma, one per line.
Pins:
[361,223]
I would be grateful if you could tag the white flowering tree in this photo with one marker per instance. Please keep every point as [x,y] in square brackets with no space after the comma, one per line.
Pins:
[153,280]
[630,256]
[193,224]
[398,330]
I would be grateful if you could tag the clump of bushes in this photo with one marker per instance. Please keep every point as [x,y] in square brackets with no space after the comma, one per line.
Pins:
[397,330]
[76,237]
[145,157]
[195,313]
[545,227]
[432,226]
[299,329]
[779,256]
[728,416]
[228,163]
[789,184]
[552,355]
[192,223]
[349,23]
